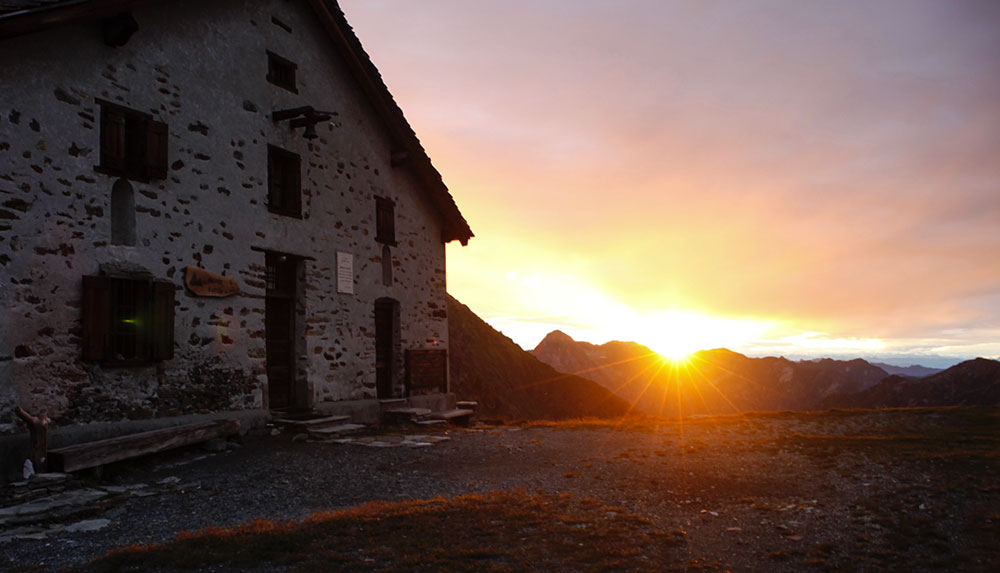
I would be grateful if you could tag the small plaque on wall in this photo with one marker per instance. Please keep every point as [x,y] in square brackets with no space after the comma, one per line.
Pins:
[345,273]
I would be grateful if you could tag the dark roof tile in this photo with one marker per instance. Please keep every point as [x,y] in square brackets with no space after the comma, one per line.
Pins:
[11,6]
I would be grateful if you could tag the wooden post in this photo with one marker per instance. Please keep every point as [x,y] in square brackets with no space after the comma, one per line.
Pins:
[38,427]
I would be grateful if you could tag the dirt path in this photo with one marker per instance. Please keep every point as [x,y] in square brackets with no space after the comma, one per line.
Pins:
[893,490]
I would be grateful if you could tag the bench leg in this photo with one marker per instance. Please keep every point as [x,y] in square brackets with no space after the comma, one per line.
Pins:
[38,428]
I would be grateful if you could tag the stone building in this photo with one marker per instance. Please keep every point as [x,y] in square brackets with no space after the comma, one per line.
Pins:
[209,208]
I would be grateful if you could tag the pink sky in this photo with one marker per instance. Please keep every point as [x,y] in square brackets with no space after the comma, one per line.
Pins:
[817,178]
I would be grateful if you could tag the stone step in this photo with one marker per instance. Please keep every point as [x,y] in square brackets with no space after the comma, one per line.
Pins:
[392,402]
[313,423]
[333,431]
[467,404]
[430,422]
[456,414]
[414,412]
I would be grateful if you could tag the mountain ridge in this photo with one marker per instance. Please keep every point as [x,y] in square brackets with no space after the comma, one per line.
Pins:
[733,382]
[911,371]
[974,382]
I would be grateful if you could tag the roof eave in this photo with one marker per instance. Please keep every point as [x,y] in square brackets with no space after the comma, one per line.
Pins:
[33,19]
[366,74]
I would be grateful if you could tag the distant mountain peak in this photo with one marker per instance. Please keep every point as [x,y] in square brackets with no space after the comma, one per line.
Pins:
[557,336]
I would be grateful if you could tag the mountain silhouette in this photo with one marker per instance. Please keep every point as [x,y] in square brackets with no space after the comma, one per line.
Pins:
[710,382]
[970,383]
[912,371]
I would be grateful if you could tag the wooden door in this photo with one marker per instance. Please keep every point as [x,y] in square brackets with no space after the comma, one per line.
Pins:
[386,321]
[279,325]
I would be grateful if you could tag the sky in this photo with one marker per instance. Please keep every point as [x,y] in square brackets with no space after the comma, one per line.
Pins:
[772,176]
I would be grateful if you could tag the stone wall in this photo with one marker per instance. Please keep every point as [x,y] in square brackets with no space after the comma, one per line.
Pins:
[201,68]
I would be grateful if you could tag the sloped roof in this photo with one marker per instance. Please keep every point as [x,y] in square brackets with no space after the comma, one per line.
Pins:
[7,6]
[25,16]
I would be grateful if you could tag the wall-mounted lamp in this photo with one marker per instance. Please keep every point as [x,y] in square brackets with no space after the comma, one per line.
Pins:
[304,116]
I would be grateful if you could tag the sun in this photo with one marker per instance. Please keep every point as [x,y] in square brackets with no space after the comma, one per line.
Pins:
[673,348]
[676,335]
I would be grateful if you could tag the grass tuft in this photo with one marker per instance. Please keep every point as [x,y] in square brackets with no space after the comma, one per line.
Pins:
[499,531]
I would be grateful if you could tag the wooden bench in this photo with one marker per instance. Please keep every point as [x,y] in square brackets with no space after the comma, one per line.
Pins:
[100,452]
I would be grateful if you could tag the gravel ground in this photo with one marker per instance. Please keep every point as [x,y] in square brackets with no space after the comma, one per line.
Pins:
[752,493]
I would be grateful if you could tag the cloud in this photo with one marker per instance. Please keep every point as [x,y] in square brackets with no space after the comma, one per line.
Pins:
[831,166]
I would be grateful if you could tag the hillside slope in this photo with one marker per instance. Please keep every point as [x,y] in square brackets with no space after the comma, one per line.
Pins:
[970,383]
[510,383]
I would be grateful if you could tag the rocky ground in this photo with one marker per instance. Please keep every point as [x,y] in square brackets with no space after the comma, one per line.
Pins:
[887,490]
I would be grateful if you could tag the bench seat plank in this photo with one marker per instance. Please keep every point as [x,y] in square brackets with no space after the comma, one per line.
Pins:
[97,453]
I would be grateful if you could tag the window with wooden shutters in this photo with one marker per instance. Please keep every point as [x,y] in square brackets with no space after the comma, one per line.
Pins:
[284,189]
[133,144]
[127,321]
[385,221]
[281,72]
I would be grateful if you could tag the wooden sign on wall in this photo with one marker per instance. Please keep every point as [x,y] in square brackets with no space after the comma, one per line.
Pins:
[205,283]
[426,371]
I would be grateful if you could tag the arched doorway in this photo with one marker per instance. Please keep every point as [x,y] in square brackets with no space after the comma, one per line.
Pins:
[386,346]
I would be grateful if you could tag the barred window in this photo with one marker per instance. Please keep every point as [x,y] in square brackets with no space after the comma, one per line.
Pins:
[281,72]
[385,221]
[284,188]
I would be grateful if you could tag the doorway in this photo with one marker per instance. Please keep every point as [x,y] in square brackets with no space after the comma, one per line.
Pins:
[279,327]
[386,346]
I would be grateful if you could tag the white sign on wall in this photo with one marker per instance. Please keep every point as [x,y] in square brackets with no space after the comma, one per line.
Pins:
[345,273]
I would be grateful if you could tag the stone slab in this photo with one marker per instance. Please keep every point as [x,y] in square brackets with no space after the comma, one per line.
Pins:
[417,412]
[452,414]
[336,430]
[312,423]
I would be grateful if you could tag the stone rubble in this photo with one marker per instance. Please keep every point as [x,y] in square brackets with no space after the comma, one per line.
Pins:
[51,503]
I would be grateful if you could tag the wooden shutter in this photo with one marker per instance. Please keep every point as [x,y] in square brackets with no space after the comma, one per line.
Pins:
[155,160]
[385,221]
[113,139]
[96,318]
[162,323]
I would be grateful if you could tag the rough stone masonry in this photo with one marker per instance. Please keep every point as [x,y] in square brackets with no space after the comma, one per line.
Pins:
[209,73]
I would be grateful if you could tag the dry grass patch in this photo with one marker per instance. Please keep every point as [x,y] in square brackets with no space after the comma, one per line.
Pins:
[499,531]
[958,435]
